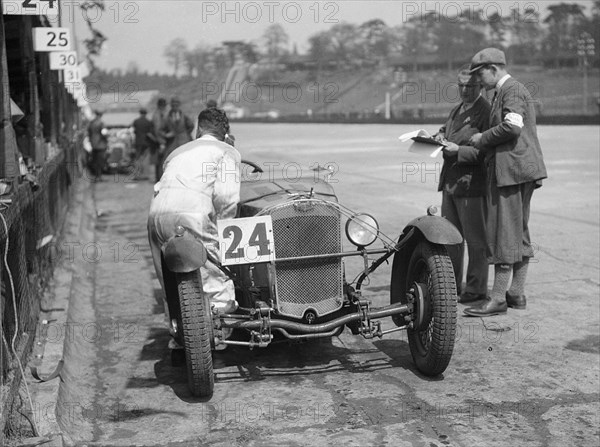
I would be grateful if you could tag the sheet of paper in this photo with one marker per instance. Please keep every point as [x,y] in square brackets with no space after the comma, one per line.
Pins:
[425,149]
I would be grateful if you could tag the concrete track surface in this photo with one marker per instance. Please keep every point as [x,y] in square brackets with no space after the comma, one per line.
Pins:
[529,378]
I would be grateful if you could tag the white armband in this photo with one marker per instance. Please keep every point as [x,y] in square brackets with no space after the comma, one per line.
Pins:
[514,118]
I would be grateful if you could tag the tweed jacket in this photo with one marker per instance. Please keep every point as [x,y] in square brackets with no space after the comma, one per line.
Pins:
[463,173]
[511,143]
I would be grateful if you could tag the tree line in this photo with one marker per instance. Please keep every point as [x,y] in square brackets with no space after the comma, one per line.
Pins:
[526,37]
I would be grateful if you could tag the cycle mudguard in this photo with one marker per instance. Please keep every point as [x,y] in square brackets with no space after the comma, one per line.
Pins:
[184,253]
[436,230]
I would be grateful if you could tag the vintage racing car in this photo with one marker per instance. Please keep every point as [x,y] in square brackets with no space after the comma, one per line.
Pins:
[284,252]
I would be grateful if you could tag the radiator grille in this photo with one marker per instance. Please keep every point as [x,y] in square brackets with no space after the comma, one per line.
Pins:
[303,228]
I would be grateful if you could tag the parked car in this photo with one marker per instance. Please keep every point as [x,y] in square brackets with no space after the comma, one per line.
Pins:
[285,254]
[119,154]
[121,150]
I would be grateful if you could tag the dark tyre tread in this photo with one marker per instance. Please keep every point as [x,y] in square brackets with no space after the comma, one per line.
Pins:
[433,359]
[197,326]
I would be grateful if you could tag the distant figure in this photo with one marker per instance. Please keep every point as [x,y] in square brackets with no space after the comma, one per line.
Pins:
[159,119]
[97,135]
[142,128]
[177,128]
[211,104]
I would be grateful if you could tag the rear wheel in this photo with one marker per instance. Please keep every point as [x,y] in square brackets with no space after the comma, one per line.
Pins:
[430,281]
[197,328]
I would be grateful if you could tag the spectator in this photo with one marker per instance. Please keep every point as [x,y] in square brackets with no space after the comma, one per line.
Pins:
[177,128]
[142,129]
[98,139]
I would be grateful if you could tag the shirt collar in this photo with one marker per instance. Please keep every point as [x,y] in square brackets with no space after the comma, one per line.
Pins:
[502,81]
[208,137]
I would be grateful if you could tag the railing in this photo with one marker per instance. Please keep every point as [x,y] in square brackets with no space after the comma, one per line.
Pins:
[31,220]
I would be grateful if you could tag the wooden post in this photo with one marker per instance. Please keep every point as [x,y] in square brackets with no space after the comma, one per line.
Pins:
[9,167]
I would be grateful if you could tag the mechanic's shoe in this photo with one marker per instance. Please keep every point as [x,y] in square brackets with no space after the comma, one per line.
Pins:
[487,309]
[468,297]
[516,301]
[177,353]
[174,345]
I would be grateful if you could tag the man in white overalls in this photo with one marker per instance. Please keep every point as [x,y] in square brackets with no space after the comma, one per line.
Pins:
[200,184]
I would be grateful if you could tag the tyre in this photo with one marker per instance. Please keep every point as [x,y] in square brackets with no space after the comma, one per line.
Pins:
[197,328]
[430,274]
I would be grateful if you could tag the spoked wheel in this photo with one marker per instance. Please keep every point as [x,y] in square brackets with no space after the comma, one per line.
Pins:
[431,281]
[197,328]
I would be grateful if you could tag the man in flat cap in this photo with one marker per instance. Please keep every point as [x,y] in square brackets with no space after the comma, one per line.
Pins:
[515,167]
[177,128]
[463,185]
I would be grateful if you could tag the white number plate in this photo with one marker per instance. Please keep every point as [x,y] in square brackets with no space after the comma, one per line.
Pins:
[72,75]
[51,39]
[63,59]
[30,7]
[247,240]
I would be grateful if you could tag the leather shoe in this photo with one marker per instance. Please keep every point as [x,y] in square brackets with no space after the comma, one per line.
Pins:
[487,309]
[516,301]
[468,297]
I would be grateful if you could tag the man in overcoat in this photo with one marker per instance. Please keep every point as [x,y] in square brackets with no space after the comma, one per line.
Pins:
[515,167]
[462,182]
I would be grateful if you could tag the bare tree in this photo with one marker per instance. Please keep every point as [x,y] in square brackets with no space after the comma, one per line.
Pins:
[276,41]
[93,44]
[175,53]
[564,25]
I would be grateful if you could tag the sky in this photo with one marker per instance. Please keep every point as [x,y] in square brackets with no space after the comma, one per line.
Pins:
[139,30]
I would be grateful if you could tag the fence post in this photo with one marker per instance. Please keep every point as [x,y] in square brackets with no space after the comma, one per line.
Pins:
[8,142]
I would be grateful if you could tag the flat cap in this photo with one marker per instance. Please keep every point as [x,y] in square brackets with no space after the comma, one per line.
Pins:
[487,56]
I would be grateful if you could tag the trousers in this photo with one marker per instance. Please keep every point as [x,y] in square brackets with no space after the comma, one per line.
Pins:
[467,214]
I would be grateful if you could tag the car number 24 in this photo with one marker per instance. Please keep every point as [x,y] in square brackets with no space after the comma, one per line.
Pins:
[246,240]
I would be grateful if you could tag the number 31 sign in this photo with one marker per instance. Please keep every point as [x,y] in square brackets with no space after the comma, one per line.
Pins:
[247,240]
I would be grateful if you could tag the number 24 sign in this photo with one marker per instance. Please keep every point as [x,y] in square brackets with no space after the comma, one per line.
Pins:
[30,7]
[246,240]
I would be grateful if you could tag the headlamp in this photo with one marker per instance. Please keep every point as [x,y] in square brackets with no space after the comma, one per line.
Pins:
[362,230]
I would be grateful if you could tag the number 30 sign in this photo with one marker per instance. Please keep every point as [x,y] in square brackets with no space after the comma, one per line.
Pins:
[247,240]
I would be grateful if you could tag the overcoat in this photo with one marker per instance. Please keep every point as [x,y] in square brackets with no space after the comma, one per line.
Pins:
[512,137]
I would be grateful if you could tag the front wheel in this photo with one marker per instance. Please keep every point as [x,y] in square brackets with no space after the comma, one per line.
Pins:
[197,328]
[431,282]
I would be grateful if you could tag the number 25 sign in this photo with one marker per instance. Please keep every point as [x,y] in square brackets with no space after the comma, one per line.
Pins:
[51,39]
[247,240]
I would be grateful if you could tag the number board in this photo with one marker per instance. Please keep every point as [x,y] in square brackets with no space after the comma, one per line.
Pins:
[30,7]
[59,60]
[51,39]
[71,75]
[247,240]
